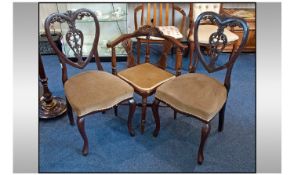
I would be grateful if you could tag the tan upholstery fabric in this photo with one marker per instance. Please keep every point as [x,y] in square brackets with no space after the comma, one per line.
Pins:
[168,31]
[204,32]
[195,94]
[95,90]
[145,77]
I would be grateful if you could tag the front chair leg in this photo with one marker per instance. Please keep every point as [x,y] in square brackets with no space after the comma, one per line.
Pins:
[81,126]
[221,118]
[132,108]
[155,106]
[143,115]
[204,134]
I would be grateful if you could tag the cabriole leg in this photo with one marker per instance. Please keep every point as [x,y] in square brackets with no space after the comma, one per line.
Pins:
[132,108]
[81,126]
[204,134]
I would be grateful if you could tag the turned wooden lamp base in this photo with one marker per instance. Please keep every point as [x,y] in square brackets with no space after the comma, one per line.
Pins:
[55,108]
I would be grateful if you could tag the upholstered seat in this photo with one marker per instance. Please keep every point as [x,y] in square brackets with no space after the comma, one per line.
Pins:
[196,94]
[168,31]
[145,77]
[205,31]
[95,90]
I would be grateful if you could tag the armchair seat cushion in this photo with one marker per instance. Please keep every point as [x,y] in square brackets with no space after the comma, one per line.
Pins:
[145,77]
[204,32]
[168,31]
[95,90]
[194,94]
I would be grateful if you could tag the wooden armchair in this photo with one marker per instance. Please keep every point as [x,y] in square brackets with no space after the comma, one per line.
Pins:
[198,95]
[165,24]
[206,28]
[146,77]
[90,91]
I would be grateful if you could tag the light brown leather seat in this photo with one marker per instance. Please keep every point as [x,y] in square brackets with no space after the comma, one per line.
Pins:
[205,31]
[95,90]
[145,77]
[196,94]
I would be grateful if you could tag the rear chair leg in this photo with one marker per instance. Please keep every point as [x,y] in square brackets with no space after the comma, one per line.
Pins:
[69,113]
[155,106]
[81,126]
[175,114]
[115,110]
[221,118]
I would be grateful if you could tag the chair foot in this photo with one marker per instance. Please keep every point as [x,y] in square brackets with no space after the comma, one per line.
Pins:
[155,133]
[132,108]
[204,134]
[81,127]
[155,106]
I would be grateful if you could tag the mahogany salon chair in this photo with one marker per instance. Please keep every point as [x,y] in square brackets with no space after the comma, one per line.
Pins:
[90,91]
[198,95]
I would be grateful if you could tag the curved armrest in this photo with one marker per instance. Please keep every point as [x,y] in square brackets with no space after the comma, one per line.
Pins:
[141,33]
[144,31]
[121,38]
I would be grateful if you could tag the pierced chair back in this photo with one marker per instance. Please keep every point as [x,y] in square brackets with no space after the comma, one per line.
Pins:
[74,39]
[217,42]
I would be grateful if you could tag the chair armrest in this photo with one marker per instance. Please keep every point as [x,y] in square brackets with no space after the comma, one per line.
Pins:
[142,31]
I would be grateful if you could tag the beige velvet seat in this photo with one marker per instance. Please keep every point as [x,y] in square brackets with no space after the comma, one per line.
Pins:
[95,91]
[145,77]
[206,30]
[196,94]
